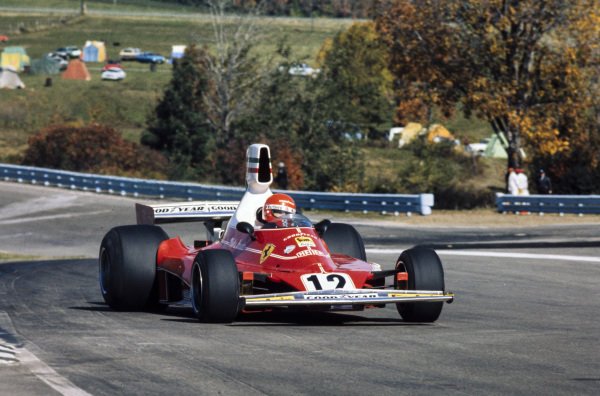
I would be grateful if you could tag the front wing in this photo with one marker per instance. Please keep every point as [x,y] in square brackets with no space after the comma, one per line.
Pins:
[345,297]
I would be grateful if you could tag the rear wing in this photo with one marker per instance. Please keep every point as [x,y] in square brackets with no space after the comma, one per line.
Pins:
[211,213]
[185,212]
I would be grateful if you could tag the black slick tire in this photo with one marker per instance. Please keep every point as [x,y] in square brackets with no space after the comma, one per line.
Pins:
[128,266]
[215,289]
[425,272]
[344,239]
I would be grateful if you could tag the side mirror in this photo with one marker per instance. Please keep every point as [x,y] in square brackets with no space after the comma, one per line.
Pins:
[246,228]
[321,227]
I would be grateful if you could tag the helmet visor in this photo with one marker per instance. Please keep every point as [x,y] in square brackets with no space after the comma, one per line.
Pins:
[278,212]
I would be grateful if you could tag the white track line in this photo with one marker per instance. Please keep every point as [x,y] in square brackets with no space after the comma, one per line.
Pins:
[52,217]
[499,254]
[48,375]
[31,362]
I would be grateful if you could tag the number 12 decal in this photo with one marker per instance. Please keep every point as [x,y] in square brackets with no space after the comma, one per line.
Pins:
[315,282]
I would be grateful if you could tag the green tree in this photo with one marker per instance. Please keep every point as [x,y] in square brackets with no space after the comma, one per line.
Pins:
[293,116]
[179,126]
[521,65]
[356,79]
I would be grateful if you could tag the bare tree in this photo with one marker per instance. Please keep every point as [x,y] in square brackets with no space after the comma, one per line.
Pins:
[233,68]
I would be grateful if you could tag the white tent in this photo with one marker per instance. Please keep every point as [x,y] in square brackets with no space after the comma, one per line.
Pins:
[10,79]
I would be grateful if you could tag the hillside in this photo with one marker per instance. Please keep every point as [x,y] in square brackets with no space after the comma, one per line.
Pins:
[125,105]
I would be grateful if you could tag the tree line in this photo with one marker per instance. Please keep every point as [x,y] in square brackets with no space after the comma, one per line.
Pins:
[528,68]
[297,8]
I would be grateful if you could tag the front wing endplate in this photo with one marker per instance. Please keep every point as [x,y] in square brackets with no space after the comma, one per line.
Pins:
[345,297]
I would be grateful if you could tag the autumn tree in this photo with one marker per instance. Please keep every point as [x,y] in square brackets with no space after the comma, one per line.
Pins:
[524,66]
[355,77]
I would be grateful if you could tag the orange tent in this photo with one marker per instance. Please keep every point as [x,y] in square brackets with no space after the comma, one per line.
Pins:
[76,71]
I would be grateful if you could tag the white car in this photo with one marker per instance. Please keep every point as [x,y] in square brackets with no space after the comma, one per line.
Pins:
[61,60]
[70,51]
[129,53]
[303,70]
[478,148]
[113,74]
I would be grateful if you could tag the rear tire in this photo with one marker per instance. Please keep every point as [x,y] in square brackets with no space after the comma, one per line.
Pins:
[128,266]
[215,287]
[344,239]
[425,272]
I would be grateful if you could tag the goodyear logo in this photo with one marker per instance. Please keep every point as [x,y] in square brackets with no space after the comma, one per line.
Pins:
[305,242]
[340,296]
[266,252]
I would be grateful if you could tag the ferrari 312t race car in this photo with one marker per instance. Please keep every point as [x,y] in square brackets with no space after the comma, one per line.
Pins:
[258,265]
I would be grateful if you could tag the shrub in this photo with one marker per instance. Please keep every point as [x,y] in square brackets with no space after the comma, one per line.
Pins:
[93,148]
[440,169]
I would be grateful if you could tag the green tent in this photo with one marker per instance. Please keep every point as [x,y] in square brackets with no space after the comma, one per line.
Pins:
[496,147]
[45,66]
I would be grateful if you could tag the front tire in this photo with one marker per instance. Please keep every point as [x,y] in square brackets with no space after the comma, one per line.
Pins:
[215,287]
[344,239]
[425,272]
[128,266]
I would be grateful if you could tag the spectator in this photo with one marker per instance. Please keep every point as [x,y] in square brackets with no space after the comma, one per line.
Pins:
[544,184]
[522,183]
[281,178]
[511,181]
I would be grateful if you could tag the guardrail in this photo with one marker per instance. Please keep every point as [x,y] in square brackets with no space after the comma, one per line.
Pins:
[579,204]
[125,186]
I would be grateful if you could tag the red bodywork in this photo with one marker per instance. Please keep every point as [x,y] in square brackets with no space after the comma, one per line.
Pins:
[276,260]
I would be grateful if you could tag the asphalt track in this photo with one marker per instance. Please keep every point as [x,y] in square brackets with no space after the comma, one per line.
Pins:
[525,319]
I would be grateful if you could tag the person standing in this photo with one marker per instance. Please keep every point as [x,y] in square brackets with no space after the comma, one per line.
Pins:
[522,183]
[281,178]
[511,182]
[544,184]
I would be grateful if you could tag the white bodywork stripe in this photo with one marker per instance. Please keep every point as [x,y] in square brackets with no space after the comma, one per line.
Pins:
[478,253]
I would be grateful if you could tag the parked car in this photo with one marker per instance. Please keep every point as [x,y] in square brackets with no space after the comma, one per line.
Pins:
[129,54]
[303,70]
[62,61]
[69,51]
[150,57]
[3,38]
[111,64]
[113,74]
[479,148]
[349,130]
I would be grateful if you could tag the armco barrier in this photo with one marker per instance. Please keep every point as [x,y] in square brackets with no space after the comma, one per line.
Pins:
[579,204]
[382,203]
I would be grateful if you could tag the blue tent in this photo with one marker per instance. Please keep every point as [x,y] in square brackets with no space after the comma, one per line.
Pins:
[94,51]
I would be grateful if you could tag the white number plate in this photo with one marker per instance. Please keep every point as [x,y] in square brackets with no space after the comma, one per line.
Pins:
[331,281]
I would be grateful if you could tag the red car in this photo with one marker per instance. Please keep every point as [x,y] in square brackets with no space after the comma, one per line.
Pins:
[258,265]
[3,38]
[111,65]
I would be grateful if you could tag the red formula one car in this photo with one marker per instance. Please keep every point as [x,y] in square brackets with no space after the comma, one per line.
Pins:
[253,265]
